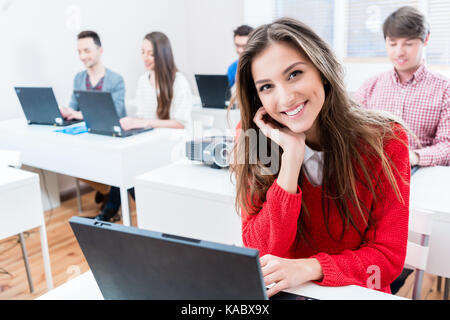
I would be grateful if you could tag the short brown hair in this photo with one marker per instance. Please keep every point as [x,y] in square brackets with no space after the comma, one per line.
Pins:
[243,30]
[90,34]
[406,22]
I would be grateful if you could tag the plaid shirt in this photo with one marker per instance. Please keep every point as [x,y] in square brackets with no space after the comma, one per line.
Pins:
[423,103]
[98,87]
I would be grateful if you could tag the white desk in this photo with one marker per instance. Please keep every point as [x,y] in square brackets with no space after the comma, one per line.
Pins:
[189,199]
[108,160]
[430,189]
[21,210]
[84,287]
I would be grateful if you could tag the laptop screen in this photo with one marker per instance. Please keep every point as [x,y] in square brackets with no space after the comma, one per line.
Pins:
[132,263]
[99,111]
[39,105]
[214,90]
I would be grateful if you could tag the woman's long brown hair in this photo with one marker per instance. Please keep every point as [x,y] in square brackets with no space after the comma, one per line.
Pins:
[165,72]
[352,138]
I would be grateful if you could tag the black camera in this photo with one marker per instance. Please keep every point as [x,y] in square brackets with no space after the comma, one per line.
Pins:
[213,151]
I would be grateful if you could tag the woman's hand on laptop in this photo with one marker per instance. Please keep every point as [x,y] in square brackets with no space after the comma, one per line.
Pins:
[288,273]
[129,123]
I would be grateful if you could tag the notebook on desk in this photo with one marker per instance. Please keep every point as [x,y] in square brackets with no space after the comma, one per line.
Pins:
[40,106]
[213,90]
[100,114]
[132,263]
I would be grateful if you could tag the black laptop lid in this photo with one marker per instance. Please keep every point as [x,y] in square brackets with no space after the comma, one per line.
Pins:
[98,111]
[213,89]
[131,263]
[39,105]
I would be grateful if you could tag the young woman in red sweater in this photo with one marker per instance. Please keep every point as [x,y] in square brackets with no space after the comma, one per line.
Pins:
[335,211]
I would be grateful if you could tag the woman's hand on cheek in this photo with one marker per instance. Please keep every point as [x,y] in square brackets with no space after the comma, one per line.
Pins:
[288,273]
[291,142]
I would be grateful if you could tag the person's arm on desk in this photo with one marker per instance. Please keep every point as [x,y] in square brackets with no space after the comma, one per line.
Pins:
[70,114]
[288,273]
[129,123]
[438,152]
[413,158]
[285,273]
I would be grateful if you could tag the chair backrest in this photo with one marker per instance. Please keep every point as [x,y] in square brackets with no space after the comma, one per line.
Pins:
[9,158]
[432,255]
[439,246]
[420,222]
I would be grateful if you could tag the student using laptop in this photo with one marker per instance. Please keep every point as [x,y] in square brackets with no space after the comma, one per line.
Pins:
[414,93]
[411,91]
[335,209]
[96,77]
[163,99]
[240,40]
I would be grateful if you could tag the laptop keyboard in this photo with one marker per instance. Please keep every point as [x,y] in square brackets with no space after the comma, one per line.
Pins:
[289,296]
[70,122]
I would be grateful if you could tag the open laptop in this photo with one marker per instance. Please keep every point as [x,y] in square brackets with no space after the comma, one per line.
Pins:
[100,114]
[137,264]
[40,107]
[214,90]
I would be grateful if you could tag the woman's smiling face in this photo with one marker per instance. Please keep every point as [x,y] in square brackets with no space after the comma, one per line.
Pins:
[289,86]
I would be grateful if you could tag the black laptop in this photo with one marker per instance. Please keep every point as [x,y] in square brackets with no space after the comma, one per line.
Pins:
[100,114]
[40,107]
[214,90]
[137,264]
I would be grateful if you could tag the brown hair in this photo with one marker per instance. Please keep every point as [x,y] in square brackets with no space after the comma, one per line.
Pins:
[165,72]
[351,137]
[242,31]
[406,22]
[90,34]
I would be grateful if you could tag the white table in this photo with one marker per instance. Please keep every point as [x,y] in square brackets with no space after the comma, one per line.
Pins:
[21,210]
[84,287]
[430,190]
[108,160]
[189,199]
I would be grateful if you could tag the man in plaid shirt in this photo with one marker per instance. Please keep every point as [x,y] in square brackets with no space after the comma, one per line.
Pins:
[410,91]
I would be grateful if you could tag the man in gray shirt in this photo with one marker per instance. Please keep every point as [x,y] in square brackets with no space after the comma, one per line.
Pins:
[95,77]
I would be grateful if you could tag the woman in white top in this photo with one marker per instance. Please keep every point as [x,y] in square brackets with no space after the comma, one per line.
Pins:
[163,100]
[163,94]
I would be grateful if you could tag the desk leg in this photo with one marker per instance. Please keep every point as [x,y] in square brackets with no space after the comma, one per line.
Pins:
[46,257]
[80,207]
[126,214]
[27,264]
[417,284]
[446,288]
[419,273]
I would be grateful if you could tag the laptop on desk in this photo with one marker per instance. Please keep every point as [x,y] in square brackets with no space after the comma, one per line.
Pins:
[40,106]
[137,264]
[213,90]
[100,114]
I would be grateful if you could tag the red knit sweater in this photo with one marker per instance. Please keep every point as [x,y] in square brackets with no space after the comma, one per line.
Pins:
[376,263]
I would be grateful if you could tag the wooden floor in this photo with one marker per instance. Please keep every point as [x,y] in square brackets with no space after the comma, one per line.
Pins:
[66,257]
[67,260]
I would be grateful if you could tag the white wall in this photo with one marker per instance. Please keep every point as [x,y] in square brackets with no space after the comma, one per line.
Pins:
[39,40]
